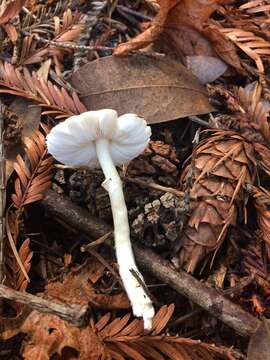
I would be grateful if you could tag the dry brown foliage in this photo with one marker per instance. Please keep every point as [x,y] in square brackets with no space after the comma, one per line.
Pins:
[34,177]
[180,22]
[117,339]
[15,277]
[7,13]
[252,45]
[81,287]
[66,30]
[185,25]
[57,100]
[220,168]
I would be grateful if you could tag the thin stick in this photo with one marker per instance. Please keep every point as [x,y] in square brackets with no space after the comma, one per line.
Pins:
[75,314]
[207,298]
[200,122]
[66,45]
[155,186]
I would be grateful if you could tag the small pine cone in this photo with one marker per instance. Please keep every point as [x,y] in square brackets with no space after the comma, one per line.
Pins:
[222,164]
[159,162]
[85,188]
[159,223]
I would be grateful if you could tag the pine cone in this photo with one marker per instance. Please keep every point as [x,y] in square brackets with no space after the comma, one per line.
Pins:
[221,166]
[159,163]
[86,190]
[160,222]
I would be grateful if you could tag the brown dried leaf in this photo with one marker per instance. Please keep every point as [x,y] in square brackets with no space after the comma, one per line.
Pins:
[28,119]
[262,202]
[76,289]
[156,88]
[48,335]
[181,23]
[183,28]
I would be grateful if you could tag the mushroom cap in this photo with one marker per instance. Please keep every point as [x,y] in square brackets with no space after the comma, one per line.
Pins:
[72,142]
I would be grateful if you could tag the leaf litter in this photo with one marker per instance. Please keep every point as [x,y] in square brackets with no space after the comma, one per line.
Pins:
[156,88]
[198,198]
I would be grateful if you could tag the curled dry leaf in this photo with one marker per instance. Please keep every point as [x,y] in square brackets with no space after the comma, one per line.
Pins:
[118,339]
[181,28]
[79,288]
[181,23]
[155,88]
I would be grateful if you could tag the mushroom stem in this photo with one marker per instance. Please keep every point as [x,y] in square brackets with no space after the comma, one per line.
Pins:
[140,301]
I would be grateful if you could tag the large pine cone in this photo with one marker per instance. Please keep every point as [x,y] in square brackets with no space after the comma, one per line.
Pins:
[220,168]
[222,165]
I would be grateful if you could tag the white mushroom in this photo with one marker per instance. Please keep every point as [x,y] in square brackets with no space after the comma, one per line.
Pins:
[100,137]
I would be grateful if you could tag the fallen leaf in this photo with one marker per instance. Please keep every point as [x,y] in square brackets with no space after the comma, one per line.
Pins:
[77,287]
[112,337]
[206,68]
[50,335]
[258,348]
[181,29]
[157,88]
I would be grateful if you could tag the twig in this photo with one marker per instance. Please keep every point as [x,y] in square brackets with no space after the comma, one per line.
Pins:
[66,45]
[200,122]
[75,314]
[155,186]
[207,298]
[2,194]
[76,217]
[93,244]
